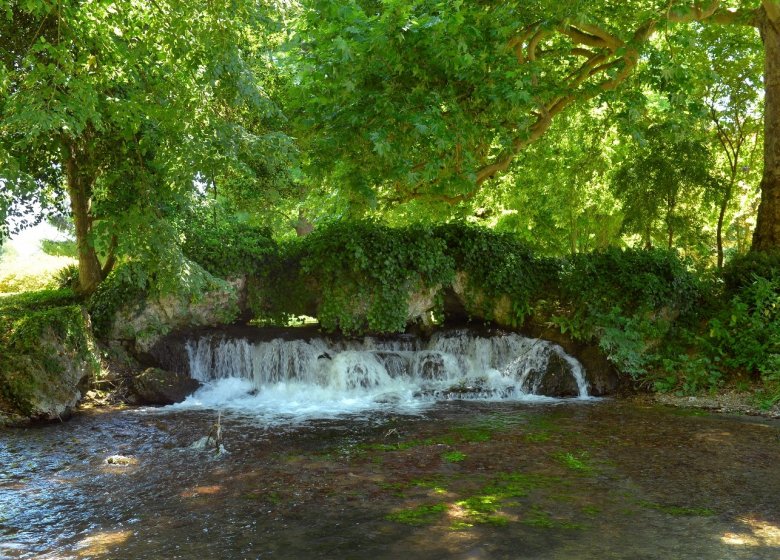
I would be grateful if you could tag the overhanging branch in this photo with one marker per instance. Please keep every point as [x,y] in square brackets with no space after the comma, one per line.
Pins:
[609,61]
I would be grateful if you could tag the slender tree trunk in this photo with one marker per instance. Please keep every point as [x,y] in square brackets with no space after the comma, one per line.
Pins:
[90,272]
[766,236]
[724,204]
[719,232]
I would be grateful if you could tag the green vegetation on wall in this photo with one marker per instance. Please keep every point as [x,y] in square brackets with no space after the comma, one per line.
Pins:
[44,336]
[651,312]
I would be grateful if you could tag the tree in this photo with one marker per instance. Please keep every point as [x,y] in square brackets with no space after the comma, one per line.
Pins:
[733,107]
[663,184]
[119,106]
[434,99]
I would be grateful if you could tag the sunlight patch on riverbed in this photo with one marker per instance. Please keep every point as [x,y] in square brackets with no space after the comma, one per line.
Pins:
[101,542]
[760,533]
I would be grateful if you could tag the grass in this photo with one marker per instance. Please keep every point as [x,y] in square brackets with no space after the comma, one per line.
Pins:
[579,462]
[30,273]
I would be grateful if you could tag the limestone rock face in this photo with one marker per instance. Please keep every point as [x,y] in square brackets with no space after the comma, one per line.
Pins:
[421,302]
[143,325]
[157,386]
[48,382]
[476,304]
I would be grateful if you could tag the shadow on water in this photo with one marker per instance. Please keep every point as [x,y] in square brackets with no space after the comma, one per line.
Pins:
[461,480]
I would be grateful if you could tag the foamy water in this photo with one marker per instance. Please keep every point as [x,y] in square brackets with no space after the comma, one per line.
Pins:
[319,378]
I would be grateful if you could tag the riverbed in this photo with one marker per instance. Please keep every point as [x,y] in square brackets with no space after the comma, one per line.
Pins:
[459,479]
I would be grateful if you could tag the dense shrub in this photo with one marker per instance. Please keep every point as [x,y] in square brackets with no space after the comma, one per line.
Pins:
[746,333]
[228,248]
[742,270]
[737,334]
[41,333]
[628,300]
[498,265]
[127,284]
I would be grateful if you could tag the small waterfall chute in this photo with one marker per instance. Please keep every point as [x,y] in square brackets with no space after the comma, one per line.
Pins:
[348,375]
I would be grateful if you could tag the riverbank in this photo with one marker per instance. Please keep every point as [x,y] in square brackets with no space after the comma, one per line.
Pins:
[727,402]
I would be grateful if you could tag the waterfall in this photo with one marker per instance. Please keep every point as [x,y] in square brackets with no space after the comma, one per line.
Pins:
[352,374]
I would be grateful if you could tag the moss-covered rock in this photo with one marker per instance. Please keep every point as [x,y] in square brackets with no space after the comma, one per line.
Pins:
[47,356]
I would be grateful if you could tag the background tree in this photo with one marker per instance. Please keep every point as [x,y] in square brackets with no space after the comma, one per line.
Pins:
[431,100]
[121,106]
[662,187]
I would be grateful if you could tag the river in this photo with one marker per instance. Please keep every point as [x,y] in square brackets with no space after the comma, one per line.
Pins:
[456,479]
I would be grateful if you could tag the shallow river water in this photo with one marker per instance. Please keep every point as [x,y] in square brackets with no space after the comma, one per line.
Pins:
[470,480]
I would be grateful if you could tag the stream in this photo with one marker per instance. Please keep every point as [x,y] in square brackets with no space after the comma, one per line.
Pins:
[457,479]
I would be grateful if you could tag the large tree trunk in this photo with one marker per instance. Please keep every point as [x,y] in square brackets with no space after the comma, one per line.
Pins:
[767,234]
[79,186]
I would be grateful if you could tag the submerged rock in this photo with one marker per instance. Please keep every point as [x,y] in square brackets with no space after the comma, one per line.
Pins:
[157,386]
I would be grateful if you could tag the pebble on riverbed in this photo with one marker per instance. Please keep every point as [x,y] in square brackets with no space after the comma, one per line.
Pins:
[121,460]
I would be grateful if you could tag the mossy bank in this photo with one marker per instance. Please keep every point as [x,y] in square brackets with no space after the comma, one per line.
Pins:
[48,356]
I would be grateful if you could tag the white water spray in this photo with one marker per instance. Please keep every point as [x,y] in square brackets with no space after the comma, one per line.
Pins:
[323,378]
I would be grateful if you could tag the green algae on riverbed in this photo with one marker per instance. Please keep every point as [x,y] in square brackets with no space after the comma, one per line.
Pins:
[606,480]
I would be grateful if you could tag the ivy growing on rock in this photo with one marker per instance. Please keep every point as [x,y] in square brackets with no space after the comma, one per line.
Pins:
[366,273]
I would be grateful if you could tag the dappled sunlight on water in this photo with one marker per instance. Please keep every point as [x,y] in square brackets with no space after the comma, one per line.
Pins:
[101,543]
[462,480]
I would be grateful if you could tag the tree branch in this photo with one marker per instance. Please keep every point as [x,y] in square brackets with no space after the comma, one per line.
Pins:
[714,14]
[608,59]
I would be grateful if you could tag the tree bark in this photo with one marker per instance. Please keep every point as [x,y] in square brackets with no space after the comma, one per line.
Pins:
[719,233]
[79,186]
[766,236]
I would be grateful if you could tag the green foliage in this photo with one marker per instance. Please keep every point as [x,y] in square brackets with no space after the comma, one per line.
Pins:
[127,285]
[628,300]
[67,277]
[366,272]
[17,305]
[227,247]
[737,332]
[420,515]
[742,270]
[662,184]
[498,265]
[454,456]
[281,293]
[59,248]
[130,108]
[580,462]
[747,333]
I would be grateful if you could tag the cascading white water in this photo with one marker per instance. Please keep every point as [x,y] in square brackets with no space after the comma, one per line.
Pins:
[321,377]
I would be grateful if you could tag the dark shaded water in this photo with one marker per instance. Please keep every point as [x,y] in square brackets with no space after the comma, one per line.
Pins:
[463,480]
